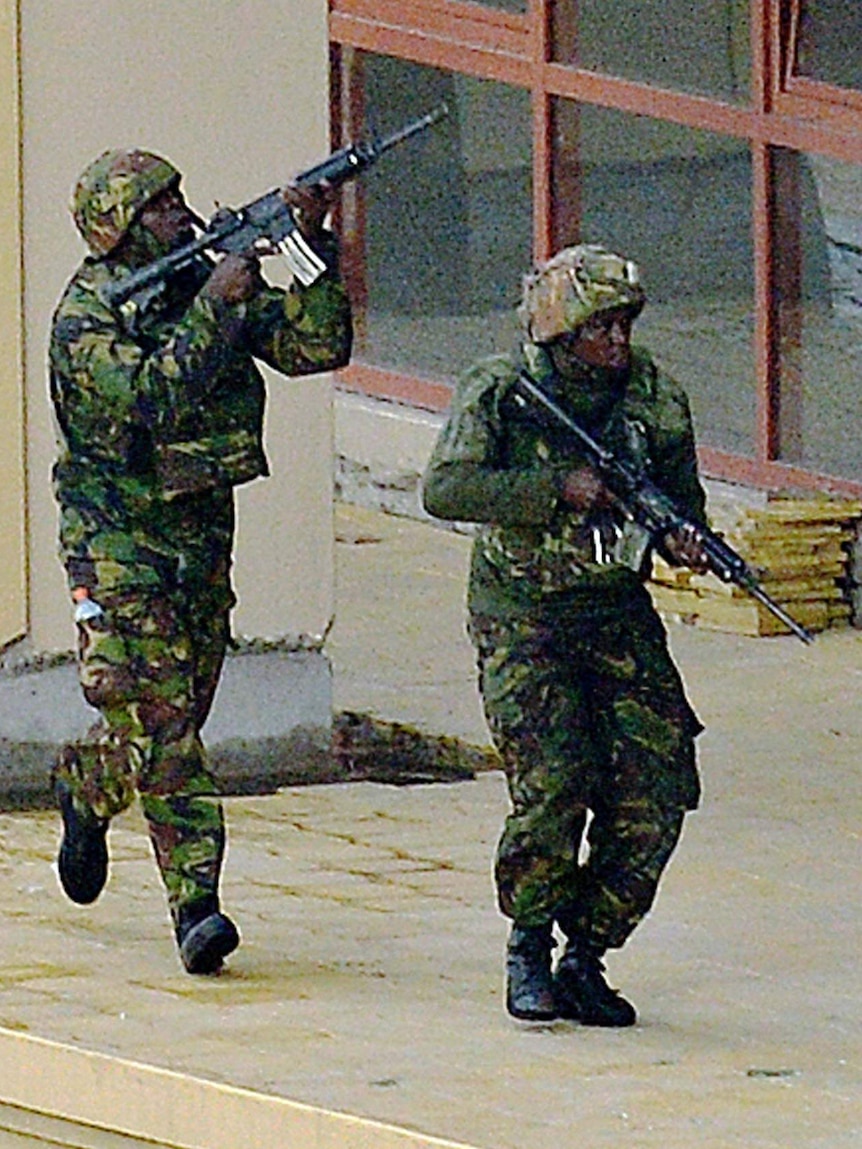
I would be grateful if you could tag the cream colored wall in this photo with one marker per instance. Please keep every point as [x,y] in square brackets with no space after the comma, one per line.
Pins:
[13,603]
[235,93]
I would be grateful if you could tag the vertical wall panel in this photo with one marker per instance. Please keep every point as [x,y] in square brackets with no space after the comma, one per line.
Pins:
[236,94]
[13,610]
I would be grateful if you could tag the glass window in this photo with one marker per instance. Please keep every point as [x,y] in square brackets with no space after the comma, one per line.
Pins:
[506,5]
[828,43]
[698,48]
[818,238]
[678,202]
[447,221]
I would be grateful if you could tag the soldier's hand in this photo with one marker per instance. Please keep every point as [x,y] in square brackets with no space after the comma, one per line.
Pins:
[310,205]
[684,547]
[584,490]
[235,278]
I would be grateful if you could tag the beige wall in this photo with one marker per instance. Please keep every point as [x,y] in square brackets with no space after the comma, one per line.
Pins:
[13,605]
[235,93]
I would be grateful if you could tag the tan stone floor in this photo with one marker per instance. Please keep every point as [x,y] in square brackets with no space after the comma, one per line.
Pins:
[370,979]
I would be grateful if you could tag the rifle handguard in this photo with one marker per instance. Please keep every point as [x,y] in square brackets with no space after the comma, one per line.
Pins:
[656,512]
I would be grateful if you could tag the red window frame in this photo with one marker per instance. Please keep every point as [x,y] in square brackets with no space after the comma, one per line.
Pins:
[802,95]
[784,111]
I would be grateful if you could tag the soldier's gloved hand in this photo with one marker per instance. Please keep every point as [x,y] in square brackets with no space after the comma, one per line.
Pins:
[310,205]
[584,490]
[684,547]
[235,278]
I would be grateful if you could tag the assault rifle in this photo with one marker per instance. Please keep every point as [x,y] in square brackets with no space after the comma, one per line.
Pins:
[643,503]
[267,220]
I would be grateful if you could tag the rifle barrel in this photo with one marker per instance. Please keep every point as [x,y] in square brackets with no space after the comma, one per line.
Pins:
[757,591]
[426,121]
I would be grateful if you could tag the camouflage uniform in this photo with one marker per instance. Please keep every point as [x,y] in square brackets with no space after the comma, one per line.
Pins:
[581,695]
[160,413]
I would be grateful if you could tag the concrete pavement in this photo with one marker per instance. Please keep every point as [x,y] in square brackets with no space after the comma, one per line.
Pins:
[370,979]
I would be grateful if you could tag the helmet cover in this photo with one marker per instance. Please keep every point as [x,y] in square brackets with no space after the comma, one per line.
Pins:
[113,189]
[575,284]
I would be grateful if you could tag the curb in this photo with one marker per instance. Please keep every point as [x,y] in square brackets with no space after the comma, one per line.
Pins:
[358,748]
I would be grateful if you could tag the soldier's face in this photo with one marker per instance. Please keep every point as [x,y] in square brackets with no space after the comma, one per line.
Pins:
[169,218]
[603,341]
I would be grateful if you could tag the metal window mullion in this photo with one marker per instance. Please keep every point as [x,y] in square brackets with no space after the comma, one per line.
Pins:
[766,359]
[765,49]
[539,16]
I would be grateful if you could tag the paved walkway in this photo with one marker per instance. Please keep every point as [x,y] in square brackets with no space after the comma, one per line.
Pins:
[370,979]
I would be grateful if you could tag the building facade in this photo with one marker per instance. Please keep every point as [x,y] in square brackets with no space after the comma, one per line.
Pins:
[719,144]
[236,95]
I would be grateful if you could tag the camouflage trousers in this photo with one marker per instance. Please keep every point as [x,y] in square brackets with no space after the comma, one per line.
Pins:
[597,740]
[150,664]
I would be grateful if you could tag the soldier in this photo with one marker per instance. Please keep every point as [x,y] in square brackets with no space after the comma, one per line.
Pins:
[160,415]
[580,693]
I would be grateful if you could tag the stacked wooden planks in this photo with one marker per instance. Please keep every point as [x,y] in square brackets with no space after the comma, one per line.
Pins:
[801,550]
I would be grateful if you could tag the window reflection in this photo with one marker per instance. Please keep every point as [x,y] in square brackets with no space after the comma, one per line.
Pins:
[818,238]
[829,41]
[699,48]
[678,201]
[447,230]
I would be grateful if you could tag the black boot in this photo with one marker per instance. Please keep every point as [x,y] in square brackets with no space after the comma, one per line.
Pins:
[205,936]
[529,992]
[581,992]
[83,858]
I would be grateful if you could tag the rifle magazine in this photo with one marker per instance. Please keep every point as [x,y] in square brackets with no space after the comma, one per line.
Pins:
[303,261]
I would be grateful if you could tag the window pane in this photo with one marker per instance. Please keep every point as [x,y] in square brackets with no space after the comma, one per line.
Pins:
[506,5]
[829,44]
[818,235]
[448,221]
[678,202]
[699,48]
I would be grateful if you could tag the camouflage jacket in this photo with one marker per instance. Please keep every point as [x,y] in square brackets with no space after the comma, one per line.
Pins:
[494,465]
[170,403]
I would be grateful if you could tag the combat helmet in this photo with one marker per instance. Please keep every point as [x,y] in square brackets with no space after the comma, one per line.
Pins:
[575,284]
[112,190]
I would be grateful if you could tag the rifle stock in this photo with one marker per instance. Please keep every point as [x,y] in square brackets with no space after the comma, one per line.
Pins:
[652,509]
